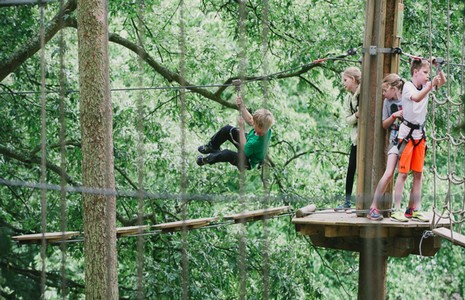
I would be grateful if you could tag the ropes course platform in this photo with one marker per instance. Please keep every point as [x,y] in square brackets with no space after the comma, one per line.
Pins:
[346,231]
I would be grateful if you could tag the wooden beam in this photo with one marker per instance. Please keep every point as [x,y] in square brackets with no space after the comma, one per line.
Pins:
[51,237]
[455,237]
[129,230]
[188,224]
[305,211]
[341,231]
[257,214]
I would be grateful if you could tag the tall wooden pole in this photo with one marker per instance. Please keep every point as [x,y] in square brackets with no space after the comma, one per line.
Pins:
[380,35]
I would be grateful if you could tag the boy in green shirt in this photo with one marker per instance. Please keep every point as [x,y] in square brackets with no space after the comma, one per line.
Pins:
[254,144]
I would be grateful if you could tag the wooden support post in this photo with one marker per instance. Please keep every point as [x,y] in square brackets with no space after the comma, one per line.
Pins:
[381,35]
[372,270]
[380,28]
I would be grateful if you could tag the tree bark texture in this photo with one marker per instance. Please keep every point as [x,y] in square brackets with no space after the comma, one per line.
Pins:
[97,151]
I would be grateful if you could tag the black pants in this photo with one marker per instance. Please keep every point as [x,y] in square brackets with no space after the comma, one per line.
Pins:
[351,171]
[227,133]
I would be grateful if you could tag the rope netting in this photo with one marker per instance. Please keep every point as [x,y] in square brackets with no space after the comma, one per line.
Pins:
[449,106]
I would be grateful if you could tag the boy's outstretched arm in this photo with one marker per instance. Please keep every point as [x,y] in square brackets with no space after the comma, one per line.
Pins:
[244,112]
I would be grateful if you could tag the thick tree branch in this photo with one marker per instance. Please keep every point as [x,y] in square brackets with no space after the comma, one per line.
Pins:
[37,160]
[54,280]
[167,74]
[18,58]
[58,145]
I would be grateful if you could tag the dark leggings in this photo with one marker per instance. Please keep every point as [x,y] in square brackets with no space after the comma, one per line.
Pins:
[351,171]
[227,133]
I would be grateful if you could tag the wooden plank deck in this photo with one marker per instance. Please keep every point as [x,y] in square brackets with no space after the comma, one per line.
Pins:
[346,231]
[330,217]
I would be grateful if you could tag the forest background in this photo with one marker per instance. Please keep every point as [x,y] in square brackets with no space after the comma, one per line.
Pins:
[308,154]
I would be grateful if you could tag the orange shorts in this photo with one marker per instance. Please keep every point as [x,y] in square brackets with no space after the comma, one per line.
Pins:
[413,157]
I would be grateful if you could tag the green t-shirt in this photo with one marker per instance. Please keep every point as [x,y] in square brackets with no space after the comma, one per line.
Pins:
[256,147]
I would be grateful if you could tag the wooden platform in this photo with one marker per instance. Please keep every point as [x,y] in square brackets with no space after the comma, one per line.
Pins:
[346,231]
[50,237]
[257,214]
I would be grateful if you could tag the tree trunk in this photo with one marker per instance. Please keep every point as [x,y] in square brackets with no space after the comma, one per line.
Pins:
[97,151]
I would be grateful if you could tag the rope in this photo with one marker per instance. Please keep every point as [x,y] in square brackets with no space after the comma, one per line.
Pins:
[43,168]
[242,70]
[265,168]
[63,163]
[184,163]
[462,75]
[426,234]
[140,150]
[451,178]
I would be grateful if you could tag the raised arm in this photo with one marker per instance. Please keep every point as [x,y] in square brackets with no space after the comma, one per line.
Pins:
[244,112]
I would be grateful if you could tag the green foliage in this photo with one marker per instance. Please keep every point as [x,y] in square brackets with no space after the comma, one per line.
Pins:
[308,153]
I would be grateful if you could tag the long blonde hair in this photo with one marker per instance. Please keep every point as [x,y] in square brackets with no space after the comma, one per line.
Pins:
[353,72]
[393,80]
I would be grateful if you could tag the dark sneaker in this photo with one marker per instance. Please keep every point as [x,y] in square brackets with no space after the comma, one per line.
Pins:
[201,160]
[344,206]
[206,149]
[374,215]
[408,213]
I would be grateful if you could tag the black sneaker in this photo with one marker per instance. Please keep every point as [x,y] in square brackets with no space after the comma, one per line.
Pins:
[201,160]
[344,206]
[205,149]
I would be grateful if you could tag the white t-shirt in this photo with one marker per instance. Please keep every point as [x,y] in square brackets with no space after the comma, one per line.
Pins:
[414,112]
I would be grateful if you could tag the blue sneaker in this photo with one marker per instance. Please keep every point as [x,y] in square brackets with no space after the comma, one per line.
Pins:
[374,215]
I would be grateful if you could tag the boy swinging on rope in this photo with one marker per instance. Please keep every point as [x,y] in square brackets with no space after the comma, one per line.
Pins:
[254,144]
[412,139]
